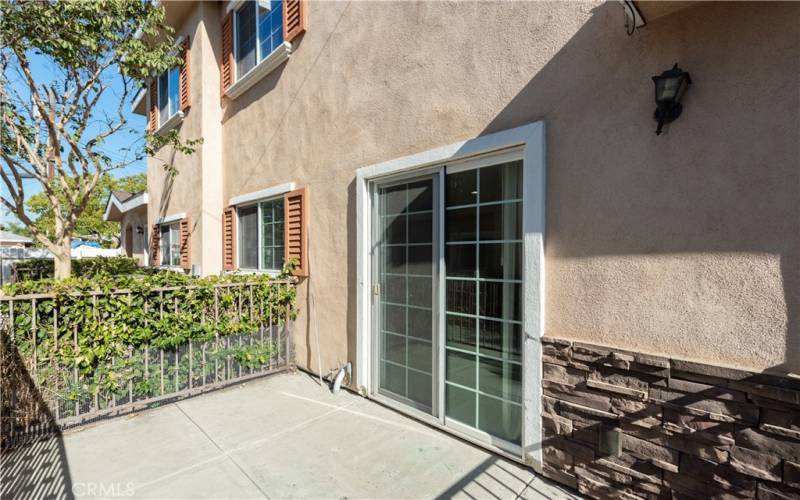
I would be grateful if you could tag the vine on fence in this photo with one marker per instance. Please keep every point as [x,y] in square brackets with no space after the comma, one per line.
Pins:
[87,337]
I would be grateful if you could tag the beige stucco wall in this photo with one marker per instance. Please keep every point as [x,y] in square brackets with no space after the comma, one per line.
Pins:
[196,190]
[685,244]
[133,219]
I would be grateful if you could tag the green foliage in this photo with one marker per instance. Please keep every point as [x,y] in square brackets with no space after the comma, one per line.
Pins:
[35,269]
[90,222]
[102,336]
[70,69]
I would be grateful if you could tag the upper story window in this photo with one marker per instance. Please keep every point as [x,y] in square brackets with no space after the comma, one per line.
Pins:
[168,94]
[261,235]
[259,31]
[170,250]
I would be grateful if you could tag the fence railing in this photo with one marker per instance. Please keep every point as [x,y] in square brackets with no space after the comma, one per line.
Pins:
[59,369]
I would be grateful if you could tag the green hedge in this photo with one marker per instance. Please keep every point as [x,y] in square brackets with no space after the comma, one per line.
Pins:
[82,324]
[36,269]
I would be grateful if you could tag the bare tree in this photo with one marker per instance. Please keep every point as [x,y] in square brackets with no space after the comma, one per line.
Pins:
[70,69]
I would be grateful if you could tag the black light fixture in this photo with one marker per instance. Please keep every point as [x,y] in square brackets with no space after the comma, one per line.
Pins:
[670,86]
[139,230]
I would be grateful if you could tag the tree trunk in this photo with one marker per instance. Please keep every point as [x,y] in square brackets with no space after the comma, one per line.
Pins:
[63,260]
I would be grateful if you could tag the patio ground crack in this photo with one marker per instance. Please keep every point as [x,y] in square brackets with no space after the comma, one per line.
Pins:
[233,460]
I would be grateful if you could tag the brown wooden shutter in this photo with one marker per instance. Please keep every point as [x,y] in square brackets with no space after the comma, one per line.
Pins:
[226,64]
[229,239]
[155,246]
[185,77]
[186,243]
[152,114]
[295,13]
[295,228]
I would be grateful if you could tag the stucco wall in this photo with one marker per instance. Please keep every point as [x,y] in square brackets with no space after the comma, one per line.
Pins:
[196,189]
[685,244]
[135,218]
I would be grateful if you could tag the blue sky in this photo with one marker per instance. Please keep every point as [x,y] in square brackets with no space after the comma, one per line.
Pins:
[116,146]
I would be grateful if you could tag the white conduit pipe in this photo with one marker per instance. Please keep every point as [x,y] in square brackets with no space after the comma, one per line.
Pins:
[337,382]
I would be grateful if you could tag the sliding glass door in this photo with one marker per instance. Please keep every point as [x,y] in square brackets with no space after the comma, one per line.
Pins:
[455,355]
[483,293]
[406,258]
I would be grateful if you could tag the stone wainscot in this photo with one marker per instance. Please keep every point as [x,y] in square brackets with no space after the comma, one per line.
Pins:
[621,424]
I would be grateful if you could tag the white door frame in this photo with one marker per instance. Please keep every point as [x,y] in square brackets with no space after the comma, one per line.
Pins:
[531,138]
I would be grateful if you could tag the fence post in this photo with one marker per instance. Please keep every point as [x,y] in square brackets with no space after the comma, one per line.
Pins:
[33,332]
[288,353]
[75,349]
[56,367]
[216,332]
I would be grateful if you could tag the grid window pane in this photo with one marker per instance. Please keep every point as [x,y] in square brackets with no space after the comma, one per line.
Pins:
[501,182]
[461,188]
[270,27]
[501,222]
[461,332]
[482,282]
[245,38]
[174,88]
[406,277]
[164,245]
[272,235]
[500,418]
[174,245]
[163,97]
[460,404]
[248,237]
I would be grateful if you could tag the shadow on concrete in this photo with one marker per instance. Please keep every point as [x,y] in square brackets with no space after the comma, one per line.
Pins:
[34,462]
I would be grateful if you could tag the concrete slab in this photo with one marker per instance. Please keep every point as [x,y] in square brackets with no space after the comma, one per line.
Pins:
[281,437]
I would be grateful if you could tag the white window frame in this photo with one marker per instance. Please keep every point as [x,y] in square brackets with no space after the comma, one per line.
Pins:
[176,117]
[263,66]
[530,138]
[172,228]
[261,269]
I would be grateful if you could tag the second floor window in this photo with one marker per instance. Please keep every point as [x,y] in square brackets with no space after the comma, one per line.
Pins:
[168,94]
[261,236]
[259,31]
[170,245]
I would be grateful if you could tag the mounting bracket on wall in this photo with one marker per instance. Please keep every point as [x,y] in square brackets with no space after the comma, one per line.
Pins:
[633,18]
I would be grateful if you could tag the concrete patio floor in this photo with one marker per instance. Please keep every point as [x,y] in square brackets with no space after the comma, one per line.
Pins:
[284,436]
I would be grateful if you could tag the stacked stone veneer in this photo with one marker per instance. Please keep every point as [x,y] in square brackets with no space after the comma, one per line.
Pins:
[687,430]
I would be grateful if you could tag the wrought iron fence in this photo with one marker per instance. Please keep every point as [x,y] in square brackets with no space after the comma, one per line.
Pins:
[48,384]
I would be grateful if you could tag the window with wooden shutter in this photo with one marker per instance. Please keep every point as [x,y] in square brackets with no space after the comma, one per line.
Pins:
[229,239]
[295,13]
[186,243]
[185,77]
[295,228]
[155,245]
[152,114]
[226,64]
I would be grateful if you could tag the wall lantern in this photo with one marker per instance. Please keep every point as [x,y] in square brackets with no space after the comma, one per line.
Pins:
[670,86]
[139,230]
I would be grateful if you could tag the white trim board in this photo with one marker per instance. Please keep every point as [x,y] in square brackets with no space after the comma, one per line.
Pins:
[171,218]
[530,139]
[129,204]
[270,192]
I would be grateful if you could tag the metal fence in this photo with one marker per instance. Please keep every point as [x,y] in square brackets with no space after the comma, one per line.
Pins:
[42,390]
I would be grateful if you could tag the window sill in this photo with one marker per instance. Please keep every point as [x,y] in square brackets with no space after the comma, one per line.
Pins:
[262,69]
[269,272]
[168,125]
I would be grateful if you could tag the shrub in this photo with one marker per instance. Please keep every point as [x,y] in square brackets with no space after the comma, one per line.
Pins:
[36,269]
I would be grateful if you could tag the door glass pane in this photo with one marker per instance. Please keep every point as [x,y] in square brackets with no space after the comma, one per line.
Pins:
[405,267]
[483,293]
